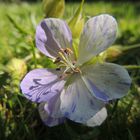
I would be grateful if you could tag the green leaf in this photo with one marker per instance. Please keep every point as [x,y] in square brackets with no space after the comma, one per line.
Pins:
[53,8]
[130,135]
[16,25]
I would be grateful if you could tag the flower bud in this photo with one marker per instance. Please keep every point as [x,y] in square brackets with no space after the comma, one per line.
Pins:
[53,8]
[112,53]
[76,23]
[17,67]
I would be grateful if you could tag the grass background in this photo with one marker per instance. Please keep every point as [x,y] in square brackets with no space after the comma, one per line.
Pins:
[19,118]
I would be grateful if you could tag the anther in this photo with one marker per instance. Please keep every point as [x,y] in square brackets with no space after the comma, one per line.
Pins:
[74,62]
[68,51]
[57,60]
[63,76]
[58,69]
[60,76]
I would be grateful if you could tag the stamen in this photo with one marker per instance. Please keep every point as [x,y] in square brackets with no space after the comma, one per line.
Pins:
[61,54]
[65,60]
[69,72]
[77,70]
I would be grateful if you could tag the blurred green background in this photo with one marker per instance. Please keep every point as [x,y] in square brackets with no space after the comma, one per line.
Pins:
[19,118]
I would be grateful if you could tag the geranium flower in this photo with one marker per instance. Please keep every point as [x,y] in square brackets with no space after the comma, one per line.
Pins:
[77,90]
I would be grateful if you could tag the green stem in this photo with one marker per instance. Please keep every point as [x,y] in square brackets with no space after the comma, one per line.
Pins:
[114,107]
[130,48]
[33,52]
[19,102]
[132,67]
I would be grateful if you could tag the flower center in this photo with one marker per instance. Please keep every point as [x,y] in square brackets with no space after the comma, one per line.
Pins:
[66,60]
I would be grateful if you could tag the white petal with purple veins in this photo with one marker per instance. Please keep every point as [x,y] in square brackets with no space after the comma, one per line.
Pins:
[77,103]
[48,120]
[51,35]
[41,84]
[98,118]
[106,81]
[98,34]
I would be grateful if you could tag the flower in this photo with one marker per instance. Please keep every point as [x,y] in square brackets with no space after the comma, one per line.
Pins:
[79,88]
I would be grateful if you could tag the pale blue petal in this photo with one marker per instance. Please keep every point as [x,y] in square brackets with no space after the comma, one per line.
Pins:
[77,103]
[53,107]
[106,81]
[52,35]
[41,84]
[98,118]
[49,120]
[98,34]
